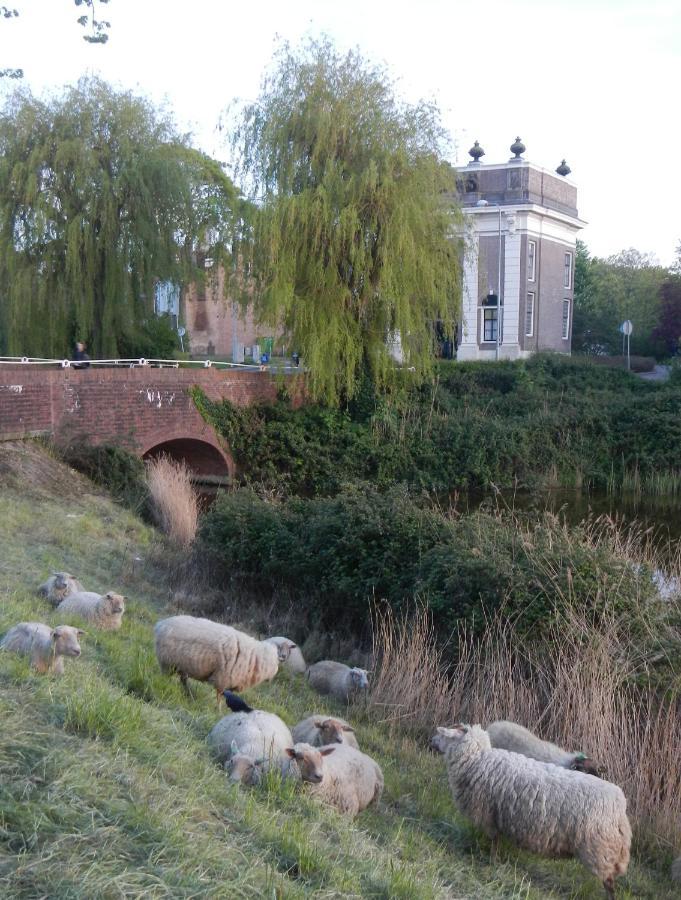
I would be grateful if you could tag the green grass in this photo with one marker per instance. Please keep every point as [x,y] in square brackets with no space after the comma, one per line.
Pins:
[106,786]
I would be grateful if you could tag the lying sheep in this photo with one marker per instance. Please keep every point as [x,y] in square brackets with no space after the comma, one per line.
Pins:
[505,735]
[540,806]
[339,775]
[46,646]
[292,658]
[337,679]
[102,611]
[250,743]
[318,731]
[208,651]
[59,586]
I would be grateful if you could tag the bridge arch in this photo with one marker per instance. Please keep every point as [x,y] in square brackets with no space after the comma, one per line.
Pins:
[209,461]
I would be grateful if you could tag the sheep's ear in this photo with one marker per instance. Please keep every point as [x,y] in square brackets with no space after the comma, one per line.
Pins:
[327,750]
[318,724]
[54,635]
[80,632]
[290,752]
[348,728]
[233,748]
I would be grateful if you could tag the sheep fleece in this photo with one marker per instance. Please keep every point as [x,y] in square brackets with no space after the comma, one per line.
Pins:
[517,739]
[218,654]
[257,734]
[541,807]
[330,677]
[92,607]
[307,732]
[352,780]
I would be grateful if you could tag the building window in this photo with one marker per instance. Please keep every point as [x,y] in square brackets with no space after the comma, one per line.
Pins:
[529,316]
[567,272]
[531,260]
[489,333]
[566,319]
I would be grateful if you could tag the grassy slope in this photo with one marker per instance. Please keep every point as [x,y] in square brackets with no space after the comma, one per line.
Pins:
[106,788]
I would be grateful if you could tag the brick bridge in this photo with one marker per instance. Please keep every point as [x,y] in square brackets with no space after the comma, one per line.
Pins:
[144,409]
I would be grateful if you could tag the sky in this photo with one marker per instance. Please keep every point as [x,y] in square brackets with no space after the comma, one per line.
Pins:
[593,81]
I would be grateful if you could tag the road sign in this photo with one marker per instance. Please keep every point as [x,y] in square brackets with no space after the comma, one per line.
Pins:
[182,330]
[626,327]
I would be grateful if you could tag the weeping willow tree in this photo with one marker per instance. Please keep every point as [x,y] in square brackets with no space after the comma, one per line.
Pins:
[100,197]
[351,248]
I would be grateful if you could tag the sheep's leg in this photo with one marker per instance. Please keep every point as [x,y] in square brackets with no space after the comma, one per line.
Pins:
[185,684]
[218,696]
[609,885]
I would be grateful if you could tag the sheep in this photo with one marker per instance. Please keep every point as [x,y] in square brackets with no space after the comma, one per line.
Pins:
[339,775]
[676,869]
[58,586]
[208,651]
[540,806]
[505,735]
[337,679]
[103,611]
[250,743]
[46,646]
[318,731]
[293,659]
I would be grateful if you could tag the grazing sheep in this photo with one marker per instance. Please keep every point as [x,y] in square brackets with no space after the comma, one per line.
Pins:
[676,869]
[540,806]
[250,743]
[102,611]
[339,775]
[318,731]
[46,646]
[59,586]
[208,651]
[293,658]
[505,735]
[337,679]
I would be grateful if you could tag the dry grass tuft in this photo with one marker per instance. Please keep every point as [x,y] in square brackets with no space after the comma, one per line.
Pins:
[174,500]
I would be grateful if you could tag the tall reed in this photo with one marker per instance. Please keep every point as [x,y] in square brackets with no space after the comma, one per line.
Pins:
[174,501]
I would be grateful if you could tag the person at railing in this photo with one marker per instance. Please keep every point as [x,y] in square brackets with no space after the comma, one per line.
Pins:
[80,358]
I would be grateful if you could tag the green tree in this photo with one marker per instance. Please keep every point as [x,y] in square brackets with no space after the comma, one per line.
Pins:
[352,243]
[100,196]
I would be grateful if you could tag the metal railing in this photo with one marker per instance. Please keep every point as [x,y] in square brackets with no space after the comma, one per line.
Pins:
[134,363]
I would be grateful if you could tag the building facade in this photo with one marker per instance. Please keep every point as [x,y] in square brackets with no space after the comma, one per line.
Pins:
[519,263]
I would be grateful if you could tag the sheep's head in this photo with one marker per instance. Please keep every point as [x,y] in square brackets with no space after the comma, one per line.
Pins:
[284,649]
[65,640]
[359,679]
[583,763]
[244,769]
[310,761]
[438,742]
[460,738]
[61,580]
[115,603]
[332,731]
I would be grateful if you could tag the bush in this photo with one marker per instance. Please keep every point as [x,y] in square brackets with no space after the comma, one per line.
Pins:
[156,339]
[121,473]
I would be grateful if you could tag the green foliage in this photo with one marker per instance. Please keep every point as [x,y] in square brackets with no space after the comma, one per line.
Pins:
[120,472]
[550,420]
[341,554]
[351,242]
[156,339]
[100,196]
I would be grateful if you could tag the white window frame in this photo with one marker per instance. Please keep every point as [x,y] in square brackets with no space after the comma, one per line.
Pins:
[532,257]
[565,326]
[567,271]
[529,306]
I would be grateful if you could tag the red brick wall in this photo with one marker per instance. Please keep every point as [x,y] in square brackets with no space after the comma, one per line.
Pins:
[138,408]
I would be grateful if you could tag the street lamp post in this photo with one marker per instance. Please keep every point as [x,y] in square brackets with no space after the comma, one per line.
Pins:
[483,203]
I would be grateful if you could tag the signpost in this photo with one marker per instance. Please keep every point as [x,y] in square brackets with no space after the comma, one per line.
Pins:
[626,328]
[181,331]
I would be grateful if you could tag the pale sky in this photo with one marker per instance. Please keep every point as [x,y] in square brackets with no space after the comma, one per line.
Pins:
[593,81]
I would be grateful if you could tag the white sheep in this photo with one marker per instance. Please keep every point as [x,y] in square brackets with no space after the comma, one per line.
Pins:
[339,775]
[318,731]
[676,869]
[208,651]
[46,646]
[506,735]
[102,611]
[250,743]
[293,658]
[59,586]
[540,806]
[337,679]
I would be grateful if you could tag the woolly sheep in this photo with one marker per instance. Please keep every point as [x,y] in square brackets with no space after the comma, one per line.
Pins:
[318,731]
[339,775]
[506,735]
[293,657]
[102,611]
[46,646]
[208,651]
[59,586]
[250,743]
[337,679]
[676,869]
[540,806]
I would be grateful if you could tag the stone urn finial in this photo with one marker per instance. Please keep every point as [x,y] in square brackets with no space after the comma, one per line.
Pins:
[517,147]
[476,152]
[563,169]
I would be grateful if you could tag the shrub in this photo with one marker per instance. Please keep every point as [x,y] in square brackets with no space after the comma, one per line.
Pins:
[120,472]
[174,502]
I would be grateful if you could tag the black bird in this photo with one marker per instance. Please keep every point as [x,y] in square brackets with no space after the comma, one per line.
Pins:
[235,703]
